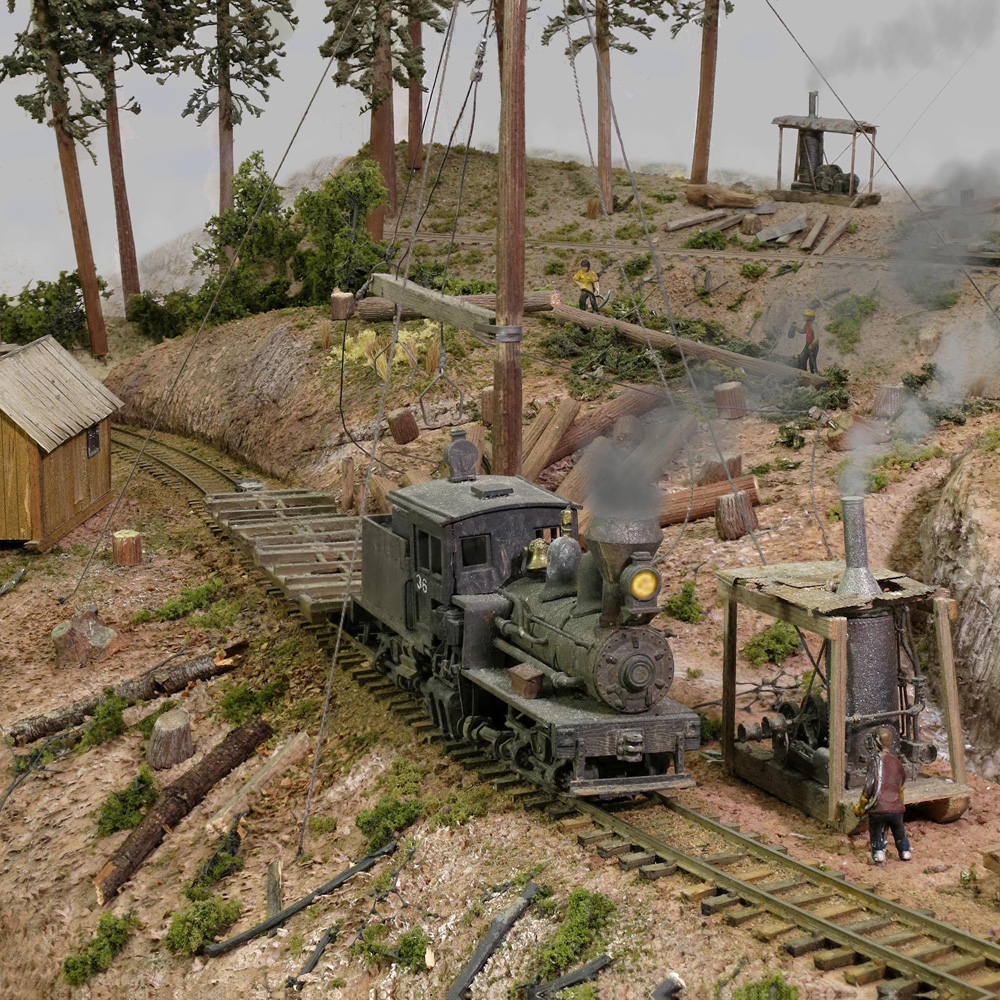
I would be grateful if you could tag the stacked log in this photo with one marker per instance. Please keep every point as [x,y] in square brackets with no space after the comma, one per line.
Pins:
[476,433]
[379,310]
[596,457]
[734,516]
[600,420]
[539,455]
[627,432]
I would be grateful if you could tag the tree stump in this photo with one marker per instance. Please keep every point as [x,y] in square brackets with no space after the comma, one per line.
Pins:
[734,516]
[888,400]
[126,548]
[403,425]
[341,305]
[730,400]
[714,470]
[486,399]
[170,742]
[84,639]
[347,485]
[751,225]
[628,431]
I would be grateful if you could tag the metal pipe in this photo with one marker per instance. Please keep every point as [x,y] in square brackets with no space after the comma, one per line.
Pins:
[857,580]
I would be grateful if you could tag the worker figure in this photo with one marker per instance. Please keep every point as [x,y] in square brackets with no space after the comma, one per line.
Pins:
[807,358]
[587,281]
[882,798]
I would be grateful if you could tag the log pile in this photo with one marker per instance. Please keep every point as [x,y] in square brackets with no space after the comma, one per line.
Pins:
[717,196]
[539,455]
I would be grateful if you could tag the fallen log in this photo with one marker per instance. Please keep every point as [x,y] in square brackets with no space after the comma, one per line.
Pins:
[379,310]
[595,459]
[413,477]
[691,348]
[175,802]
[600,420]
[476,433]
[13,581]
[673,506]
[159,680]
[628,432]
[717,196]
[539,455]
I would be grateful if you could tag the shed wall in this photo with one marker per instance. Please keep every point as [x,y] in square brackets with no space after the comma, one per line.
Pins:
[18,488]
[71,482]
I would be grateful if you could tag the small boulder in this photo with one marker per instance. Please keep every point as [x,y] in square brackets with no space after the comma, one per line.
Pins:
[751,224]
[84,639]
[929,341]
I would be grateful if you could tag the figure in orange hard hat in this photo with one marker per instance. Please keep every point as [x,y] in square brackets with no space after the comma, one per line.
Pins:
[882,798]
[807,357]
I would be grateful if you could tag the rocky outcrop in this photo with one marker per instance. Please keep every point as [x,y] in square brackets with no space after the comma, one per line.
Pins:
[960,542]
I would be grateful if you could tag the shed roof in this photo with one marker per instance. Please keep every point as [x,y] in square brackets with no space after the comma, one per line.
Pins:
[813,123]
[50,395]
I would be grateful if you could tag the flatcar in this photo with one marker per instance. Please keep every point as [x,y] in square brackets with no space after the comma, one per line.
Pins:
[477,596]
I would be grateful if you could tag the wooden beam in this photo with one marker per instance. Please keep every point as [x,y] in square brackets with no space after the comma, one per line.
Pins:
[838,714]
[378,310]
[692,348]
[783,229]
[695,220]
[828,628]
[427,302]
[949,689]
[815,231]
[729,622]
[831,237]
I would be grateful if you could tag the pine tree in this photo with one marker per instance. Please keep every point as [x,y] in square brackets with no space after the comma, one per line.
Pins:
[243,53]
[373,47]
[606,17]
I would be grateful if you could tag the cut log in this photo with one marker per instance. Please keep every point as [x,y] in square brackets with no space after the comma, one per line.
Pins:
[341,305]
[347,484]
[539,455]
[717,196]
[158,681]
[695,220]
[413,477]
[783,228]
[692,349]
[378,310]
[831,237]
[403,425]
[596,458]
[628,432]
[600,420]
[276,765]
[888,400]
[126,548]
[170,741]
[535,429]
[486,400]
[673,506]
[476,433]
[734,516]
[813,234]
[751,224]
[714,470]
[175,802]
[380,488]
[730,400]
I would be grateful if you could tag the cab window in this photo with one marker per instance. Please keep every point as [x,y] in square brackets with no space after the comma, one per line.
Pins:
[476,551]
[429,552]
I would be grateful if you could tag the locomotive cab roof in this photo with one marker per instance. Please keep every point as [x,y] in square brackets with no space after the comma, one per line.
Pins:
[443,502]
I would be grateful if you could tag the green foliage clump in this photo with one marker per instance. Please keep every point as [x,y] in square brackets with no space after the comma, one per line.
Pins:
[555,267]
[162,317]
[761,470]
[431,274]
[145,725]
[461,806]
[370,944]
[124,810]
[630,231]
[928,288]
[403,778]
[706,239]
[790,436]
[241,702]
[109,939]
[635,266]
[196,925]
[915,381]
[219,616]
[989,441]
[846,318]
[190,599]
[771,988]
[889,467]
[587,913]
[107,722]
[389,816]
[411,949]
[664,197]
[774,645]
[753,269]
[46,307]
[322,824]
[684,606]
[221,865]
[711,728]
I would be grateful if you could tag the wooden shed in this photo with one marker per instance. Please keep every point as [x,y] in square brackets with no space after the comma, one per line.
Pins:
[55,443]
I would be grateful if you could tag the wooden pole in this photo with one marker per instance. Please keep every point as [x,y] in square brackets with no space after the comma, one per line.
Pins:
[380,145]
[781,136]
[854,149]
[74,189]
[838,715]
[871,166]
[706,92]
[226,159]
[127,261]
[415,150]
[510,245]
[602,30]
[949,689]
[729,623]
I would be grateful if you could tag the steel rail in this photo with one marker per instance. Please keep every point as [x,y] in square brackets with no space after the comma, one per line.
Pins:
[805,919]
[118,436]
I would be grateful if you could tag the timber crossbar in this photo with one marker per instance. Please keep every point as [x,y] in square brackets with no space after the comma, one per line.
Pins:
[432,304]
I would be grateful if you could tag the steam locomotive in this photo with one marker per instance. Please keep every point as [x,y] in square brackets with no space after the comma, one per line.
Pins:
[476,595]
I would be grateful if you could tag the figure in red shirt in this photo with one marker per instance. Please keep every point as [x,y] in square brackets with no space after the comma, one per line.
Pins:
[807,358]
[882,798]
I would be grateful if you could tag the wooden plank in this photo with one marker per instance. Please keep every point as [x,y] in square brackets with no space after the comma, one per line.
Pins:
[813,234]
[537,456]
[695,220]
[691,348]
[434,305]
[795,225]
[821,625]
[831,237]
[837,693]
[949,689]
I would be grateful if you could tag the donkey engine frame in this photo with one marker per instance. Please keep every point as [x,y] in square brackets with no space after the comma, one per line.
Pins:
[812,752]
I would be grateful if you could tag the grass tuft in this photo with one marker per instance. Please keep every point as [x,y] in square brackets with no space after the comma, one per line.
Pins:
[587,913]
[774,645]
[684,606]
[124,810]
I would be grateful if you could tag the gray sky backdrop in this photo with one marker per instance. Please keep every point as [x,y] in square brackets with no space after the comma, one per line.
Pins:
[869,51]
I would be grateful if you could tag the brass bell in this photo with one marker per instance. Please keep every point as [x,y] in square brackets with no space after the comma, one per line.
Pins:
[537,554]
[567,518]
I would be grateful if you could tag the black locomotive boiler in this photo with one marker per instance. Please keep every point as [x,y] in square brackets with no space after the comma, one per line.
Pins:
[477,596]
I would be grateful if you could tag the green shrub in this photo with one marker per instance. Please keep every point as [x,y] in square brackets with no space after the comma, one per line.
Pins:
[370,944]
[241,702]
[790,436]
[197,924]
[846,318]
[109,939]
[630,231]
[388,817]
[684,606]
[706,239]
[761,470]
[46,307]
[635,266]
[928,288]
[411,949]
[771,988]
[587,913]
[774,645]
[461,806]
[555,267]
[711,728]
[107,722]
[162,317]
[124,810]
[753,269]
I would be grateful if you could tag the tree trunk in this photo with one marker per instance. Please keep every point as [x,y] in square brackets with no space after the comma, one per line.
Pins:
[123,218]
[175,802]
[226,165]
[706,93]
[74,191]
[415,143]
[498,15]
[603,32]
[346,484]
[382,140]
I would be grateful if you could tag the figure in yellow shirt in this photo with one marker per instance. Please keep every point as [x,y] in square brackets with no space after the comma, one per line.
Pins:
[587,281]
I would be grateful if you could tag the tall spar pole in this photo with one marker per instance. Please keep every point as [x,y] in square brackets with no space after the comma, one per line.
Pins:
[706,92]
[510,245]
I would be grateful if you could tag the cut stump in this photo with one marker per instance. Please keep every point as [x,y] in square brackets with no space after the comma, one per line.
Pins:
[84,639]
[888,400]
[734,516]
[170,742]
[341,304]
[730,400]
[714,470]
[403,426]
[126,548]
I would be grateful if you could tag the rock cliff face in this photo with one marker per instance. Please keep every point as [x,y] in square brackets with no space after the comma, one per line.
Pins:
[960,541]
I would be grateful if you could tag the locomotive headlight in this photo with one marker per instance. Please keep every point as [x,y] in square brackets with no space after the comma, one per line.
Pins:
[644,584]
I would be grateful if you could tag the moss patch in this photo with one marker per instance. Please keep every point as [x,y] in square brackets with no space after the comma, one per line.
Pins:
[107,722]
[772,988]
[190,599]
[241,702]
[587,913]
[774,645]
[109,939]
[389,816]
[195,926]
[124,810]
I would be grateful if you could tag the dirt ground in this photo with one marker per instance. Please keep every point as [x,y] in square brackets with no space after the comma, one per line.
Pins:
[266,390]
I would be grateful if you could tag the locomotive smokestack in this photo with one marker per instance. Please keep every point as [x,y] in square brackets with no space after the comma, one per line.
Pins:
[857,580]
[813,103]
[614,540]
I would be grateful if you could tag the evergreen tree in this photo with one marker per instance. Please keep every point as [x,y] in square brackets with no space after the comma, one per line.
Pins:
[231,44]
[607,17]
[373,47]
